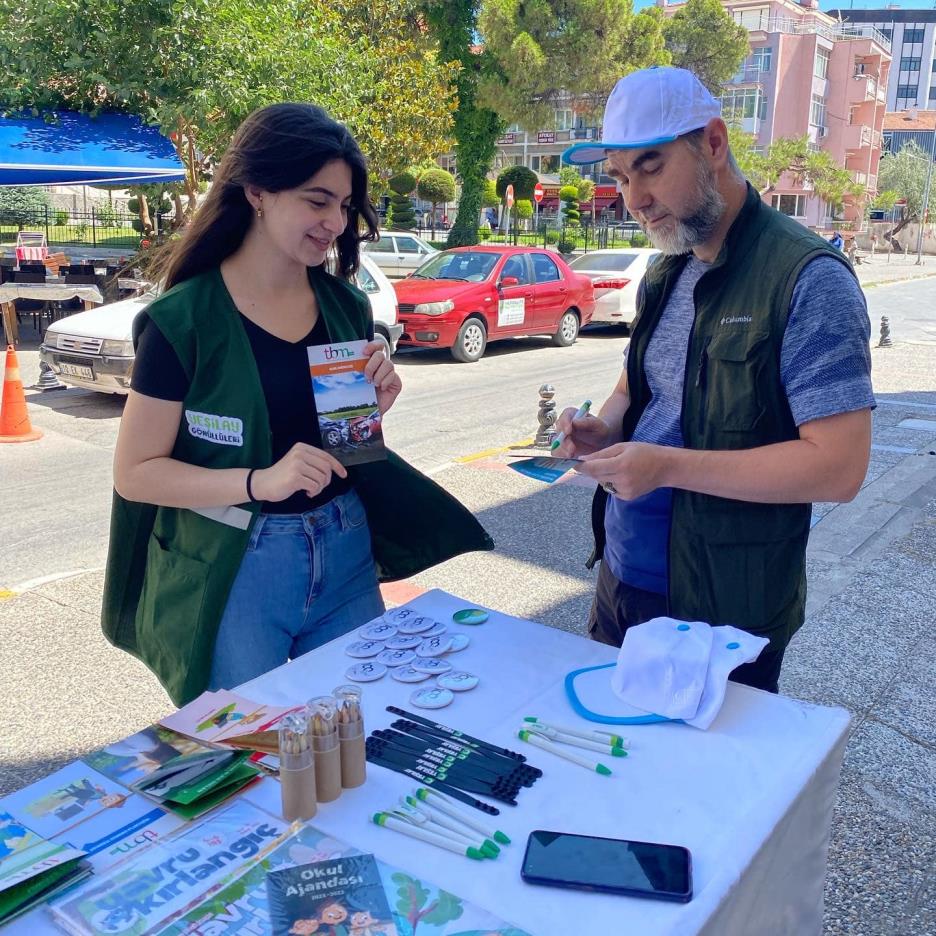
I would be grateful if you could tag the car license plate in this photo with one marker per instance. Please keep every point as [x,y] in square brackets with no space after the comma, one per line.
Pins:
[77,370]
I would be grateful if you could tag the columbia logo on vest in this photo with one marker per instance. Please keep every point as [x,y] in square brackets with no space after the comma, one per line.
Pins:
[735,320]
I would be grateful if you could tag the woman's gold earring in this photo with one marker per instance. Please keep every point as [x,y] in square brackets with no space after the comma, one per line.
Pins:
[260,211]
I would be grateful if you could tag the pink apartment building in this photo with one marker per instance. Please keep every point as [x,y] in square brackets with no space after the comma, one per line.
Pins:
[810,75]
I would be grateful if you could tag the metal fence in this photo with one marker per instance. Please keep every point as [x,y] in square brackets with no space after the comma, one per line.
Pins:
[101,227]
[549,233]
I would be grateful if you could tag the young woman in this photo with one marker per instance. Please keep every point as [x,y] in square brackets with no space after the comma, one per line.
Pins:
[236,541]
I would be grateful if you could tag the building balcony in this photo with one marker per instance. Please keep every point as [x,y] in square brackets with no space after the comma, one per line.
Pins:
[857,136]
[747,76]
[807,27]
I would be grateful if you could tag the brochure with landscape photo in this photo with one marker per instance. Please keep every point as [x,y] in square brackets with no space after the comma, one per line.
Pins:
[346,403]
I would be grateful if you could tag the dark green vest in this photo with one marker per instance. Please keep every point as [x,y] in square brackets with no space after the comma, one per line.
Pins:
[169,570]
[732,562]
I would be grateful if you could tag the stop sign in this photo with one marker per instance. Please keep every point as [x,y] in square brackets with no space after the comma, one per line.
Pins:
[508,196]
[538,193]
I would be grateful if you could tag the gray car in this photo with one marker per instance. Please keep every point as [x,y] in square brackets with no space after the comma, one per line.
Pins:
[398,253]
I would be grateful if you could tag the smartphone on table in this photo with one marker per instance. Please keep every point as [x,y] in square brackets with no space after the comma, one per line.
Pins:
[612,866]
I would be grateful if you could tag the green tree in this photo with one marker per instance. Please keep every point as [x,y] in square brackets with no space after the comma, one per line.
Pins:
[522,179]
[196,68]
[702,37]
[437,187]
[568,175]
[569,197]
[903,175]
[523,209]
[401,205]
[22,205]
[793,157]
[530,56]
[490,199]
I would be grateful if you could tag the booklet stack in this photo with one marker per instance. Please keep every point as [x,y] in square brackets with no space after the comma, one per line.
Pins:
[33,869]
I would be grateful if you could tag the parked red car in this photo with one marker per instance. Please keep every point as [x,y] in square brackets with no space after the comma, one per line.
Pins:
[465,297]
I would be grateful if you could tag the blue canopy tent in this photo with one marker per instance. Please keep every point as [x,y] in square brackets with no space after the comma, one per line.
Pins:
[76,149]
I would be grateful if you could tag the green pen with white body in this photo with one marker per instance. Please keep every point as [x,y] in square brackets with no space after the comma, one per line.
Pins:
[539,741]
[601,736]
[579,413]
[439,818]
[447,805]
[389,821]
[602,747]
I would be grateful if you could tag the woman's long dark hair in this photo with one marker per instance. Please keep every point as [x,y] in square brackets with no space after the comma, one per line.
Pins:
[277,147]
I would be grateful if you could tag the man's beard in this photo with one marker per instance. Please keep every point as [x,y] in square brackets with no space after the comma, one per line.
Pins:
[699,226]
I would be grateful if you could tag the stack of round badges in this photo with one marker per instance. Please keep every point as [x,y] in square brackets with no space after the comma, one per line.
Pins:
[414,648]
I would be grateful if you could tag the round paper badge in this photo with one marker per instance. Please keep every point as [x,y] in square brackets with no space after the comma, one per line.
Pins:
[367,671]
[470,616]
[435,630]
[364,648]
[435,646]
[395,657]
[377,630]
[457,681]
[459,642]
[398,615]
[431,697]
[416,625]
[433,665]
[408,674]
[404,642]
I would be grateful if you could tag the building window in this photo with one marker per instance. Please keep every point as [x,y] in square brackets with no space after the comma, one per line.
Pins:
[792,205]
[565,119]
[888,34]
[909,64]
[907,91]
[821,66]
[744,103]
[932,94]
[752,19]
[818,111]
[544,164]
[912,35]
[761,59]
[514,128]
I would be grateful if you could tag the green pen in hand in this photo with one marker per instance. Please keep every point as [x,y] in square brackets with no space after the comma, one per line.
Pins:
[579,413]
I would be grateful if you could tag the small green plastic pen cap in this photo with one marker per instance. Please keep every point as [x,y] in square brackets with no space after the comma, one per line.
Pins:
[600,768]
[500,837]
[618,752]
[473,852]
[490,846]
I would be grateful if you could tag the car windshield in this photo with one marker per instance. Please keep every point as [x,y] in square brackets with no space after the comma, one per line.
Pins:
[469,265]
[603,263]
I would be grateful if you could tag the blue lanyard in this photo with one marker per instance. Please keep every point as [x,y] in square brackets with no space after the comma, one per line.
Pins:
[588,714]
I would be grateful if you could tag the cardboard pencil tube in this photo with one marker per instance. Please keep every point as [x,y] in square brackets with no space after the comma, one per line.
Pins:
[297,769]
[353,753]
[324,734]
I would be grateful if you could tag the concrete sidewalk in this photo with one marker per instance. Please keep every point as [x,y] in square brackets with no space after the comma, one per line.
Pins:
[868,644]
[884,268]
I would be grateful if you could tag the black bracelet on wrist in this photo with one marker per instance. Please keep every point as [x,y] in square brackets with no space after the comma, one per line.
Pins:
[250,494]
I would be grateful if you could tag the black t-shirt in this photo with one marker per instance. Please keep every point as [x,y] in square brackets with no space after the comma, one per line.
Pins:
[287,388]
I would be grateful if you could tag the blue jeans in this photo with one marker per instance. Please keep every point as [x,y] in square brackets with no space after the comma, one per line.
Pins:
[304,580]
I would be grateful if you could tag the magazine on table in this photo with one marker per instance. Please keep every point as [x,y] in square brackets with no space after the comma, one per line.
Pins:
[346,402]
[145,893]
[241,907]
[32,868]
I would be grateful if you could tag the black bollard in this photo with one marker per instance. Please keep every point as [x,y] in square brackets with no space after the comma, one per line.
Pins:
[885,340]
[546,417]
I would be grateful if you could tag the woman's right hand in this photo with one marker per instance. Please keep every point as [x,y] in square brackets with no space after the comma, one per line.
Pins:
[302,468]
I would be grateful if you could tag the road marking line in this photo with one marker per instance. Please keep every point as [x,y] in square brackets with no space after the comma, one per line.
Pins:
[32,584]
[487,453]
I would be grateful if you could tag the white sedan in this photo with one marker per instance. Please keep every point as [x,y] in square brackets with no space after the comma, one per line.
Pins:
[615,275]
[94,349]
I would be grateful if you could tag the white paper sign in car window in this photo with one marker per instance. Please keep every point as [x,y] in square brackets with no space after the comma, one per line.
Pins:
[510,312]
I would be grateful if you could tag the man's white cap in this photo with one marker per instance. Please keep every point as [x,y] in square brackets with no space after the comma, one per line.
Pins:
[647,107]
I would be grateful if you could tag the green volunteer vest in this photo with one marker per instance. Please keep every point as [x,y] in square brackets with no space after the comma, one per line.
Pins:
[169,571]
[732,562]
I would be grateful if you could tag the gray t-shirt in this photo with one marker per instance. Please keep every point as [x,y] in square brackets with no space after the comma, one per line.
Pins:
[825,368]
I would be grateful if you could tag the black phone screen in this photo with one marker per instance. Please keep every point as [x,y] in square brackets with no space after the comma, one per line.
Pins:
[614,865]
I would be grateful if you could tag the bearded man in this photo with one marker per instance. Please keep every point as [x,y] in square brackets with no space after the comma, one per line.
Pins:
[746,390]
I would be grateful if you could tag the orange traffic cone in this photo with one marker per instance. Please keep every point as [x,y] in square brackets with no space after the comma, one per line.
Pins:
[14,420]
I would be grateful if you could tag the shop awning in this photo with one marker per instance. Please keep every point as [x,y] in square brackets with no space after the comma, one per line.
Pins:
[75,149]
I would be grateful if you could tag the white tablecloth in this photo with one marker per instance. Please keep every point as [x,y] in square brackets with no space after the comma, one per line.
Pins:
[50,292]
[751,798]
